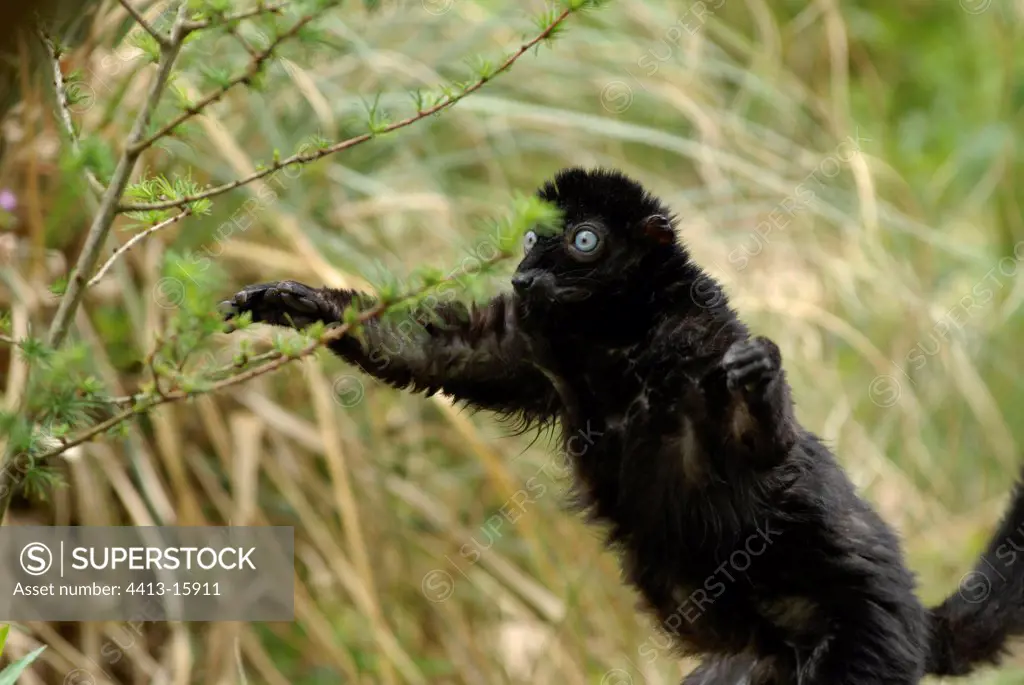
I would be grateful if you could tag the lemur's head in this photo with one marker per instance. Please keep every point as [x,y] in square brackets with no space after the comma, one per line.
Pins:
[615,240]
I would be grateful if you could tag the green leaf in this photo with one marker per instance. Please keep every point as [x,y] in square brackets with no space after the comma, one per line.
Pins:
[6,628]
[9,676]
[148,45]
[59,286]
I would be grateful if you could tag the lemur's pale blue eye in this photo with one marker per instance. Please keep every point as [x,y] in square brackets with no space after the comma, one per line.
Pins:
[529,240]
[585,240]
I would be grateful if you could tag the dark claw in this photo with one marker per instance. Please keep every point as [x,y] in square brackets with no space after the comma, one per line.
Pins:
[226,308]
[751,364]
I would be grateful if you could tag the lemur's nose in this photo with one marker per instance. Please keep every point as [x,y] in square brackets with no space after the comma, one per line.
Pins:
[522,282]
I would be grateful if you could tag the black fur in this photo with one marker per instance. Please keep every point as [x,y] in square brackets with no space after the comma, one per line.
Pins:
[737,526]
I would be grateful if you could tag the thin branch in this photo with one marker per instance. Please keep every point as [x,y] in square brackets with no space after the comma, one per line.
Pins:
[253,53]
[217,374]
[255,64]
[275,361]
[136,239]
[305,158]
[7,340]
[234,18]
[160,38]
[64,108]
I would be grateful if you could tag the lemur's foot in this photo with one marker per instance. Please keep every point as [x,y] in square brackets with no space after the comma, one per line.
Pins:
[752,364]
[282,303]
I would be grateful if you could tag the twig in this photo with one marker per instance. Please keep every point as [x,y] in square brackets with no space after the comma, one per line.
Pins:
[139,237]
[64,108]
[305,158]
[255,64]
[163,40]
[253,53]
[275,361]
[243,42]
[216,374]
[234,18]
[7,340]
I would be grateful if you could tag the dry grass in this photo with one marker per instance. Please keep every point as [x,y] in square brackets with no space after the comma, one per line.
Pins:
[430,547]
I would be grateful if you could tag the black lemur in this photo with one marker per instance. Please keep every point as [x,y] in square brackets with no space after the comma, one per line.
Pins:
[737,526]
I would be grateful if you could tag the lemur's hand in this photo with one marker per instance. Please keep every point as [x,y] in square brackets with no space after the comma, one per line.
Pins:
[751,365]
[282,303]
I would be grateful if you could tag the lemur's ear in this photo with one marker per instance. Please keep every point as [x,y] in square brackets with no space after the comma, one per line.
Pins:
[657,228]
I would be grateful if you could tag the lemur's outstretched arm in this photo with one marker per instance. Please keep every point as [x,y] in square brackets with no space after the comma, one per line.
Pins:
[475,355]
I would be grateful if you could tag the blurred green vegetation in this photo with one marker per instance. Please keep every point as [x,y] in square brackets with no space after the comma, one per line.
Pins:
[874,289]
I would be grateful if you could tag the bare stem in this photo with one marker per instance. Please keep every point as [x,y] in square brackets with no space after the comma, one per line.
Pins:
[160,38]
[306,157]
[137,238]
[64,109]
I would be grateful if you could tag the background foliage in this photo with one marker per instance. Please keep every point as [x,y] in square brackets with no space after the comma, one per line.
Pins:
[851,171]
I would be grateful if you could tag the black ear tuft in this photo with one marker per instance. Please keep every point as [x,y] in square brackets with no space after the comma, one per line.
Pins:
[658,228]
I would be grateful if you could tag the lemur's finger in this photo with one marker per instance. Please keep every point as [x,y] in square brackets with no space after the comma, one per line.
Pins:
[244,300]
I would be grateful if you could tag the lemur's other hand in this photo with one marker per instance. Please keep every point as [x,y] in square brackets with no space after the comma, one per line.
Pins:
[281,303]
[752,364]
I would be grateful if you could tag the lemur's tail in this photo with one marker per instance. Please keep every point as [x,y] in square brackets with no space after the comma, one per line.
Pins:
[972,626]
